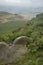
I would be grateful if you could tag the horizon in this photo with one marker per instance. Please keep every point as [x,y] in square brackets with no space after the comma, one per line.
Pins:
[21,6]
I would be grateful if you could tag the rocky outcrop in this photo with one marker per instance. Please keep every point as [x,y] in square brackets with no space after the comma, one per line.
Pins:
[10,53]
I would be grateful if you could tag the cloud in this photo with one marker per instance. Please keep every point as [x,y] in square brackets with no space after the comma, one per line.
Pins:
[13,1]
[25,3]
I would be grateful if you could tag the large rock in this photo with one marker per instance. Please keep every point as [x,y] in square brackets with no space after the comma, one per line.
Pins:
[8,54]
[21,40]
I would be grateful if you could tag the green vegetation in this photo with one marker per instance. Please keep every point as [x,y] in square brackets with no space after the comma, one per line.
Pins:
[34,30]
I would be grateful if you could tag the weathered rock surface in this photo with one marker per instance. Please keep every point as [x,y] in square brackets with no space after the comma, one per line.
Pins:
[8,54]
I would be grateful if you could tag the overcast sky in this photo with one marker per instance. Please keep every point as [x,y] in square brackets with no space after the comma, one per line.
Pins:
[25,3]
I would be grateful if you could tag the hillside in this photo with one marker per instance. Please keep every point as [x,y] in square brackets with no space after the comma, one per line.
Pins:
[8,17]
[34,30]
[9,21]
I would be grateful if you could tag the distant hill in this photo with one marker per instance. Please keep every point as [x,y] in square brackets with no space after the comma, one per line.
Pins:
[8,17]
[9,21]
[2,12]
[19,9]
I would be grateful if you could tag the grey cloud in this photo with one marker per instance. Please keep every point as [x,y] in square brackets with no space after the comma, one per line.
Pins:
[26,3]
